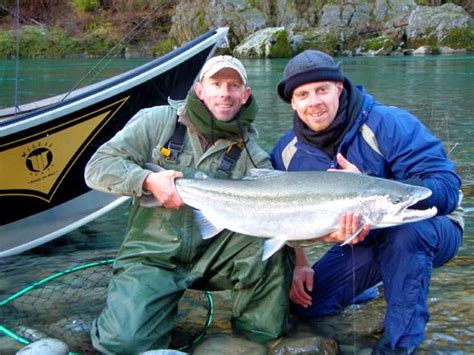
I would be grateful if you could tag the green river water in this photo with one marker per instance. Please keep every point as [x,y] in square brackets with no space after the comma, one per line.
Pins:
[438,89]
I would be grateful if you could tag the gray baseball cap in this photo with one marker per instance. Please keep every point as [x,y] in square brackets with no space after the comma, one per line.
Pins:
[213,65]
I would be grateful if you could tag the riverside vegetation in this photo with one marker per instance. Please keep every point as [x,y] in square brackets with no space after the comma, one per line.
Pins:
[257,28]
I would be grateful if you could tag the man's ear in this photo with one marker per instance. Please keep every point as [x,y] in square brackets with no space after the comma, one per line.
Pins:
[246,95]
[340,87]
[292,103]
[198,89]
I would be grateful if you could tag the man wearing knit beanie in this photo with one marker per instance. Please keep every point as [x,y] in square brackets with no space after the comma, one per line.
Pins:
[339,126]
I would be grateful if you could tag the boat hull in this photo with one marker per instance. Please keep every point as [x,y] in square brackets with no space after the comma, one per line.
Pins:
[43,153]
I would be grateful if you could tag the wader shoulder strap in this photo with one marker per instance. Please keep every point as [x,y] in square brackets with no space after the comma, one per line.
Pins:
[175,145]
[230,158]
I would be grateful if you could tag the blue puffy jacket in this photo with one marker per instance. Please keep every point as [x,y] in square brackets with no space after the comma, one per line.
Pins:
[387,142]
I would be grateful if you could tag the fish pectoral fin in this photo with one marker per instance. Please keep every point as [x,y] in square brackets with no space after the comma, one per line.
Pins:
[271,246]
[355,234]
[262,173]
[206,227]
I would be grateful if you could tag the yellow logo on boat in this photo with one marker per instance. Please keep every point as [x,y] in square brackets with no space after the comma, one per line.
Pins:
[36,167]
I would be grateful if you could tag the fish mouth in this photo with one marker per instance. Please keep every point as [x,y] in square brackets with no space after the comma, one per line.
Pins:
[412,215]
[405,214]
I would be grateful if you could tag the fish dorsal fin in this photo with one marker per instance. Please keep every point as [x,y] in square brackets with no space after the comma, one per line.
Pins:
[271,246]
[263,174]
[207,229]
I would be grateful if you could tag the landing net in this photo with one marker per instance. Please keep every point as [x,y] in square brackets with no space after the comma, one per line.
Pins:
[63,306]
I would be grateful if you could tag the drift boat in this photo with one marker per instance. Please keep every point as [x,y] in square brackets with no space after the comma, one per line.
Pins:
[45,147]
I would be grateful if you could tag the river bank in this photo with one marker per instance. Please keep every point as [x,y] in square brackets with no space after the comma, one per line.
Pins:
[257,29]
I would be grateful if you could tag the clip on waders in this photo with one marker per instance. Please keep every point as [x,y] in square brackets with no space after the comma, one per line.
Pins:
[175,144]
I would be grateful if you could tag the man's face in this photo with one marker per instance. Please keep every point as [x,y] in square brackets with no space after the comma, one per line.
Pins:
[317,103]
[223,93]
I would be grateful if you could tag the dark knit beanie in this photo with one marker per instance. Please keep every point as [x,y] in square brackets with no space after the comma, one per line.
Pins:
[307,67]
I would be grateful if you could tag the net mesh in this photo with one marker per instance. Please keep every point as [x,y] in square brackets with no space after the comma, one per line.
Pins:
[63,306]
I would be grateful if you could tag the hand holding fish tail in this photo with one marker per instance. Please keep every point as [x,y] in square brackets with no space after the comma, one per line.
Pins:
[303,277]
[161,185]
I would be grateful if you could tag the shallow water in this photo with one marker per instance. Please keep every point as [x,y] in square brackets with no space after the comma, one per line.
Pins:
[438,89]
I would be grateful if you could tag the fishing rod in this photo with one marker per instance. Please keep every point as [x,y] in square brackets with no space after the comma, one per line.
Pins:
[125,40]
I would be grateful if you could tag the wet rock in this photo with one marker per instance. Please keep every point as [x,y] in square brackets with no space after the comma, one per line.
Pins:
[227,344]
[31,334]
[48,346]
[8,345]
[304,345]
[359,320]
[163,352]
[423,50]
[74,330]
[449,50]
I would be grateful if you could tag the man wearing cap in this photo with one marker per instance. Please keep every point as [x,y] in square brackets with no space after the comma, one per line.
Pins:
[338,125]
[163,253]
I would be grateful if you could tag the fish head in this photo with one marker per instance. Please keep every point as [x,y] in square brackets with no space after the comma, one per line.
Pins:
[391,206]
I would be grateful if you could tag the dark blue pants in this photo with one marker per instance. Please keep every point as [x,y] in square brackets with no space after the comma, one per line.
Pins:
[402,257]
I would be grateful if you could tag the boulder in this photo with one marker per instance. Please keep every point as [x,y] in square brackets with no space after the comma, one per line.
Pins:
[267,43]
[423,50]
[327,39]
[227,344]
[44,346]
[335,27]
[446,25]
[193,18]
[385,11]
[304,345]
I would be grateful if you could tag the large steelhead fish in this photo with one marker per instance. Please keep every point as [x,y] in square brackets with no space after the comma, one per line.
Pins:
[296,206]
